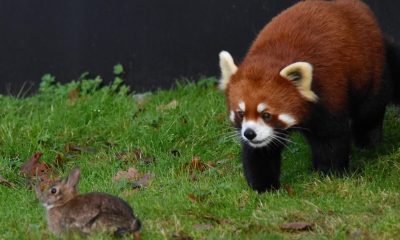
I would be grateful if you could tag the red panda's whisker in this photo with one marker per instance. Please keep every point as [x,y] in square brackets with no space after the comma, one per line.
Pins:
[275,143]
[282,142]
[231,135]
[286,139]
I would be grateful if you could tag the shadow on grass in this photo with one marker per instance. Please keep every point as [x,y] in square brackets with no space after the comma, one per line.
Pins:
[390,144]
[297,167]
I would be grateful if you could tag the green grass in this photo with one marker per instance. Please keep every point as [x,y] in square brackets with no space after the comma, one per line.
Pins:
[363,205]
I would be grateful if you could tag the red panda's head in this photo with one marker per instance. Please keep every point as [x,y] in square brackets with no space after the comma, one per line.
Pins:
[265,99]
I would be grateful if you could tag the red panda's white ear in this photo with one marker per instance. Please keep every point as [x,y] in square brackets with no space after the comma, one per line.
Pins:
[228,68]
[301,74]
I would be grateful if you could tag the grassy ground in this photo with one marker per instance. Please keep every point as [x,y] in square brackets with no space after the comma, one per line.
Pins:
[181,201]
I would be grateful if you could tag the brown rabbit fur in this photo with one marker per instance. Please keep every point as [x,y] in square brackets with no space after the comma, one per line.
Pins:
[68,212]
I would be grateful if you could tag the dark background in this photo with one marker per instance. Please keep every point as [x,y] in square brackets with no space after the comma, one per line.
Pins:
[157,41]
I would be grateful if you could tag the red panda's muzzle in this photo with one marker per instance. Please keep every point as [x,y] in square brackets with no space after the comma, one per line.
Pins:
[256,133]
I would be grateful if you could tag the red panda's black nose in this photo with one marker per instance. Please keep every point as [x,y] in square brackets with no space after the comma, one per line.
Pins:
[250,134]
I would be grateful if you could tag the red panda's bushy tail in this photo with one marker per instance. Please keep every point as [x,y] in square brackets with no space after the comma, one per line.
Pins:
[393,65]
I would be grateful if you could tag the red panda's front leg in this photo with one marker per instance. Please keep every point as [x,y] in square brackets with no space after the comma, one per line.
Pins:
[262,167]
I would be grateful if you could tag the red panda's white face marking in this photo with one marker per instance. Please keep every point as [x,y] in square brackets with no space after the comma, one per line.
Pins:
[287,119]
[256,133]
[232,116]
[242,106]
[261,107]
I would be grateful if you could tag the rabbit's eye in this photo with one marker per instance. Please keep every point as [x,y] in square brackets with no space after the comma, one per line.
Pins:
[53,190]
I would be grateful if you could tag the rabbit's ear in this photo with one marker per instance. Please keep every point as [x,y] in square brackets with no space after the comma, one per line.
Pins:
[73,177]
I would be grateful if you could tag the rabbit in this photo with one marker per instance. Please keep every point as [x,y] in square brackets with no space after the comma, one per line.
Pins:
[69,213]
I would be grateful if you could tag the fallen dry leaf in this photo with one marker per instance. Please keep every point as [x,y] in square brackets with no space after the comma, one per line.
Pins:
[181,236]
[59,161]
[71,148]
[137,236]
[192,197]
[199,197]
[216,220]
[73,95]
[172,105]
[289,190]
[211,164]
[110,143]
[297,226]
[131,174]
[143,181]
[37,172]
[141,157]
[358,234]
[193,177]
[197,165]
[5,182]
[32,167]
[124,156]
[135,155]
[148,160]
[202,226]
[221,117]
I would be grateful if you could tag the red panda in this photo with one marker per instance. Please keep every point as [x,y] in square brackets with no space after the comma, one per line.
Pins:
[318,68]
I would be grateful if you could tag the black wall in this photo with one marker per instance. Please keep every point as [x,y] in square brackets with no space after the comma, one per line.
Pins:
[158,41]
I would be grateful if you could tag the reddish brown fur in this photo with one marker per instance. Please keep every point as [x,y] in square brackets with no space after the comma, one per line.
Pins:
[342,41]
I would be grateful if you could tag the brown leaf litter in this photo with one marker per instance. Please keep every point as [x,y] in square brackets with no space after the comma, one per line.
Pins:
[6,183]
[171,105]
[135,155]
[133,175]
[297,226]
[37,172]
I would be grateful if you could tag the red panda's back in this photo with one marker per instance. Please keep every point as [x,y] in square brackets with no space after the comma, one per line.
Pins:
[341,39]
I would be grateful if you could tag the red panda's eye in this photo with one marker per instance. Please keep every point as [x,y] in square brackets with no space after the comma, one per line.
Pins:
[266,116]
[240,114]
[53,190]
